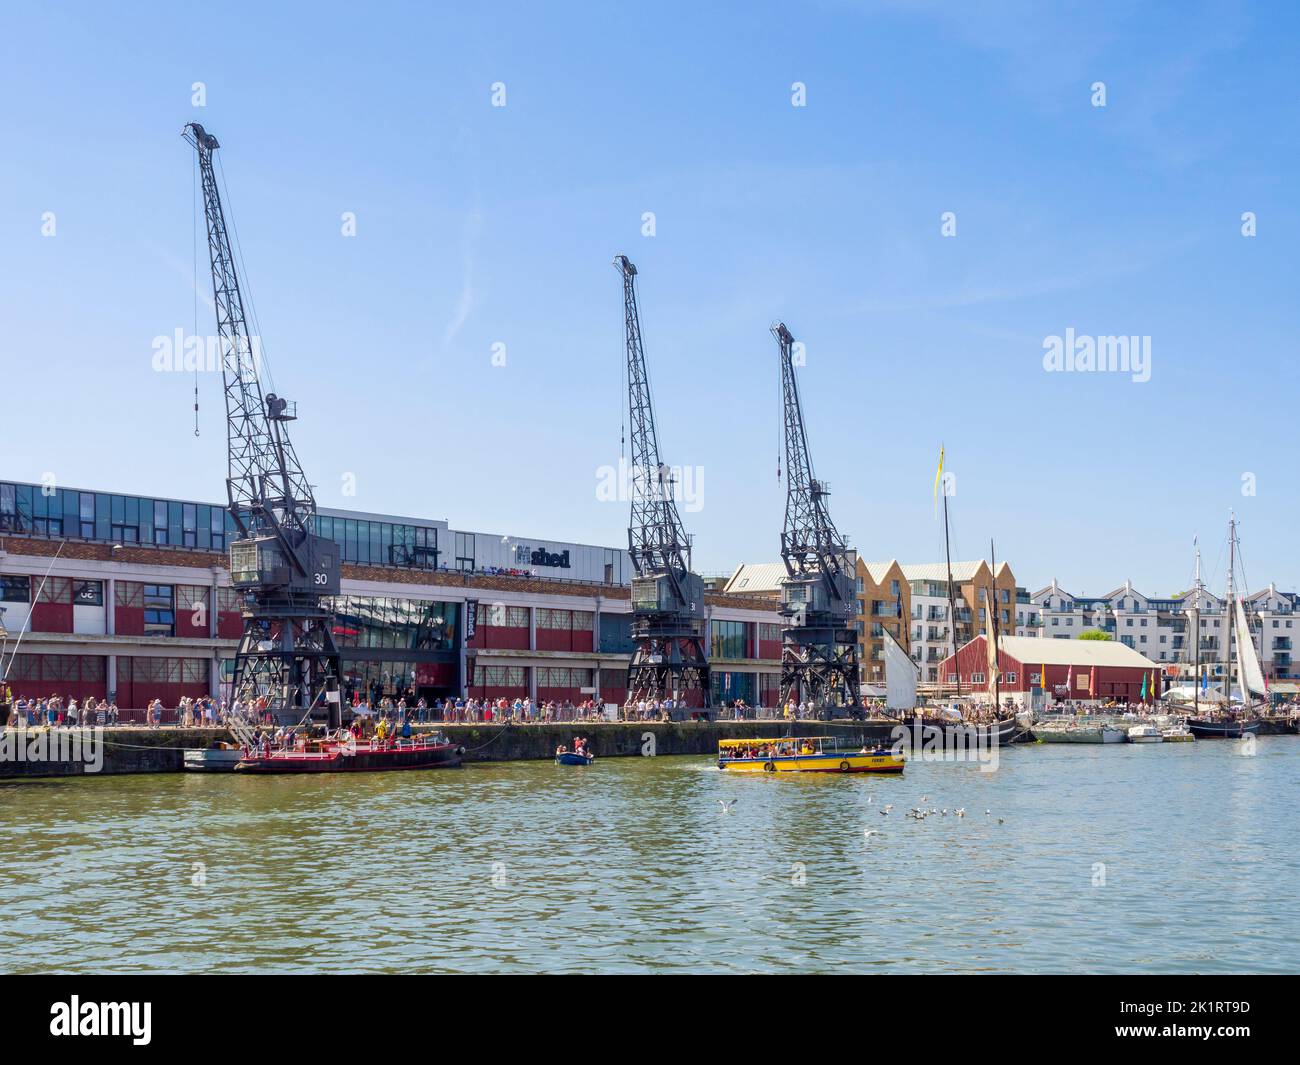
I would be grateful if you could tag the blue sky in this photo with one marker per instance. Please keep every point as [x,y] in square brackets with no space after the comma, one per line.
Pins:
[479,225]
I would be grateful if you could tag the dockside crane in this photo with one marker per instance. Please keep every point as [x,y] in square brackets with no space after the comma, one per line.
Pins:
[819,646]
[668,658]
[284,571]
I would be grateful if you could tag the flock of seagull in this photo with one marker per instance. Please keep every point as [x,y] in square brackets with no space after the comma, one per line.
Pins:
[920,813]
[916,813]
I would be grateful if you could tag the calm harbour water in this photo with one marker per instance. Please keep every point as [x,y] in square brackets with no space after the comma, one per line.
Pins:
[631,866]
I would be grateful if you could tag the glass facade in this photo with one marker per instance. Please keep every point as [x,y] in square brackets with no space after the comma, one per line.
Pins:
[44,510]
[374,679]
[159,612]
[405,624]
[381,543]
[728,639]
[15,589]
[729,687]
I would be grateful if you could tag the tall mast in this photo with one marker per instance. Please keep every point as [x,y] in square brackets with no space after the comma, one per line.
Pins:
[993,629]
[1196,629]
[1231,612]
[952,591]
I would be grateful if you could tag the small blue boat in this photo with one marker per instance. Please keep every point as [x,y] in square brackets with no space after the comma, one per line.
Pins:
[569,758]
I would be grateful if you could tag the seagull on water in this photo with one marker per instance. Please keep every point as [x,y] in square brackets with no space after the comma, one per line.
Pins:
[726,805]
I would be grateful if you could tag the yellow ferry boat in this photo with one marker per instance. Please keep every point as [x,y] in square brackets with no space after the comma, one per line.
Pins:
[804,754]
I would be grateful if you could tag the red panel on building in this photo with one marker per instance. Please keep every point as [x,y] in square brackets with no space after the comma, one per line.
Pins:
[497,691]
[128,621]
[141,680]
[128,610]
[70,676]
[192,605]
[230,626]
[504,638]
[559,695]
[186,626]
[51,617]
[554,640]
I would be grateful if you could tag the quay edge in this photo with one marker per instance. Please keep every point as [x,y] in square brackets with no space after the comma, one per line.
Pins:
[136,750]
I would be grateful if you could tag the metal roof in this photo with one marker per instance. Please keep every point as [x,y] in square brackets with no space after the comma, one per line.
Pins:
[938,571]
[1037,650]
[756,578]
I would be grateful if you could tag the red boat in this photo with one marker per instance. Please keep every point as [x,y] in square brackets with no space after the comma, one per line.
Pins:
[334,756]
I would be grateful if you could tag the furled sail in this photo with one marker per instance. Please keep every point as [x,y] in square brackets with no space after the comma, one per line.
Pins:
[1249,675]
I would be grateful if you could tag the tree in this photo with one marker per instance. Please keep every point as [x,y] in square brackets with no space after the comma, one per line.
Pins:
[1095,634]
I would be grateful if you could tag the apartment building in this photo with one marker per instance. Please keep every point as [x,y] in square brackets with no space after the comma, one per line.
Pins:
[1158,626]
[935,635]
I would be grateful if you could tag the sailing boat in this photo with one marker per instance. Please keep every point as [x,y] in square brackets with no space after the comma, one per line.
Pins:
[1004,728]
[1230,723]
[1000,730]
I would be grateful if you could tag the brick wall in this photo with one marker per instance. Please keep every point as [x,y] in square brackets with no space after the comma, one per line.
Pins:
[163,556]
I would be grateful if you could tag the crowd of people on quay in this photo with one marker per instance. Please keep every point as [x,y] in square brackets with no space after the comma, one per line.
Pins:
[521,710]
[58,711]
[55,711]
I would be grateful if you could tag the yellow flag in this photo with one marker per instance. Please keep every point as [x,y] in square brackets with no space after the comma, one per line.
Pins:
[938,477]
